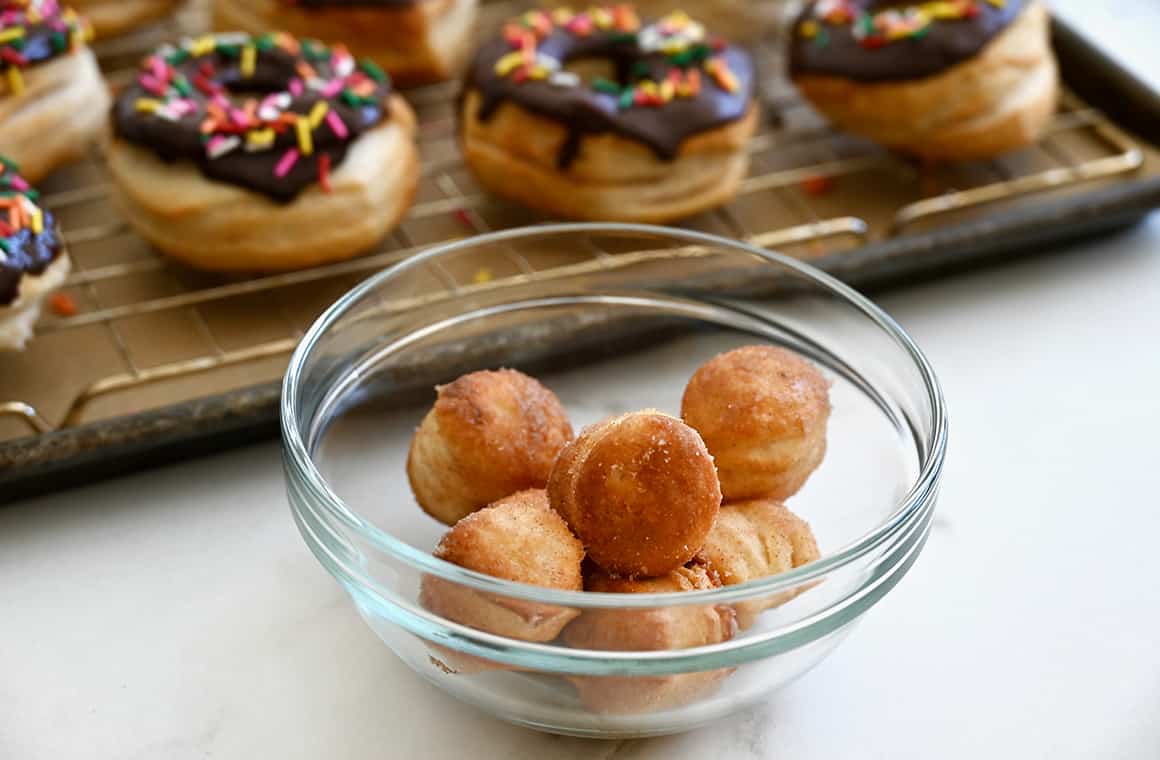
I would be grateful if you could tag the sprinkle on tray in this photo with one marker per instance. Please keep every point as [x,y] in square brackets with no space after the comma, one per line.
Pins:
[62,305]
[463,216]
[817,184]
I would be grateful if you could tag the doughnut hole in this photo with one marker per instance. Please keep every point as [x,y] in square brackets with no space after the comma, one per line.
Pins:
[489,434]
[757,539]
[762,411]
[591,69]
[639,490]
[652,630]
[520,539]
[649,630]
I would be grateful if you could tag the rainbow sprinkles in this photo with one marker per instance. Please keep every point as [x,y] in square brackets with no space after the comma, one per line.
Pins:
[676,38]
[34,31]
[875,29]
[29,240]
[271,113]
[18,208]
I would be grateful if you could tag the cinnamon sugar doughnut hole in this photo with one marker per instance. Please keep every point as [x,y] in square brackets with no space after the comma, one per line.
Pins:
[639,490]
[649,630]
[489,434]
[518,538]
[762,411]
[756,539]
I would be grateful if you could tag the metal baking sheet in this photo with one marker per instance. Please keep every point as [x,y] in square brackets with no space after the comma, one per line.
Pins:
[161,362]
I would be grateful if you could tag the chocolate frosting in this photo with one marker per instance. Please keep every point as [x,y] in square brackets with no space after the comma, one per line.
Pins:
[27,253]
[56,32]
[273,70]
[835,51]
[585,111]
[22,249]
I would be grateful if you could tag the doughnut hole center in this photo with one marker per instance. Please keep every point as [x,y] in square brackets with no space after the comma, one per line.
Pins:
[591,70]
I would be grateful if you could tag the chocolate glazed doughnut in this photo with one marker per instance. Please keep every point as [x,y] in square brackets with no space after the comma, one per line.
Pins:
[53,101]
[958,79]
[415,41]
[33,261]
[180,107]
[662,137]
[274,154]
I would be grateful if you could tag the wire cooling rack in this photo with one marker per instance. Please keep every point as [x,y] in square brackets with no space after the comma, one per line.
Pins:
[148,333]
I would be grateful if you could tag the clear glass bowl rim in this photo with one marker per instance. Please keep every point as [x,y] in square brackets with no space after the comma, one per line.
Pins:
[907,511]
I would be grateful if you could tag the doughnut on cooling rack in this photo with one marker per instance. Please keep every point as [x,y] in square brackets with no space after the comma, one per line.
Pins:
[142,360]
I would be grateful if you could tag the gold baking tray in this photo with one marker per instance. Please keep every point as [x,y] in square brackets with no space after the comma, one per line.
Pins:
[149,334]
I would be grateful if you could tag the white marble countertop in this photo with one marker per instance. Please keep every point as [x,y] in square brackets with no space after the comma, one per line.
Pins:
[177,614]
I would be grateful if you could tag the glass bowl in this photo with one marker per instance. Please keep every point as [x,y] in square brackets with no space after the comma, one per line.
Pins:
[613,318]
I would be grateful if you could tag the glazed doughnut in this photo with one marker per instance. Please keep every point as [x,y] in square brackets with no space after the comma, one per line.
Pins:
[661,136]
[639,490]
[488,435]
[955,80]
[416,41]
[52,98]
[33,261]
[755,539]
[762,411]
[520,539]
[649,630]
[312,161]
[112,17]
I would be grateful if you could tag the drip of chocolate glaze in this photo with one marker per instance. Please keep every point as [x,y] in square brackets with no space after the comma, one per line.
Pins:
[946,43]
[27,253]
[181,140]
[584,111]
